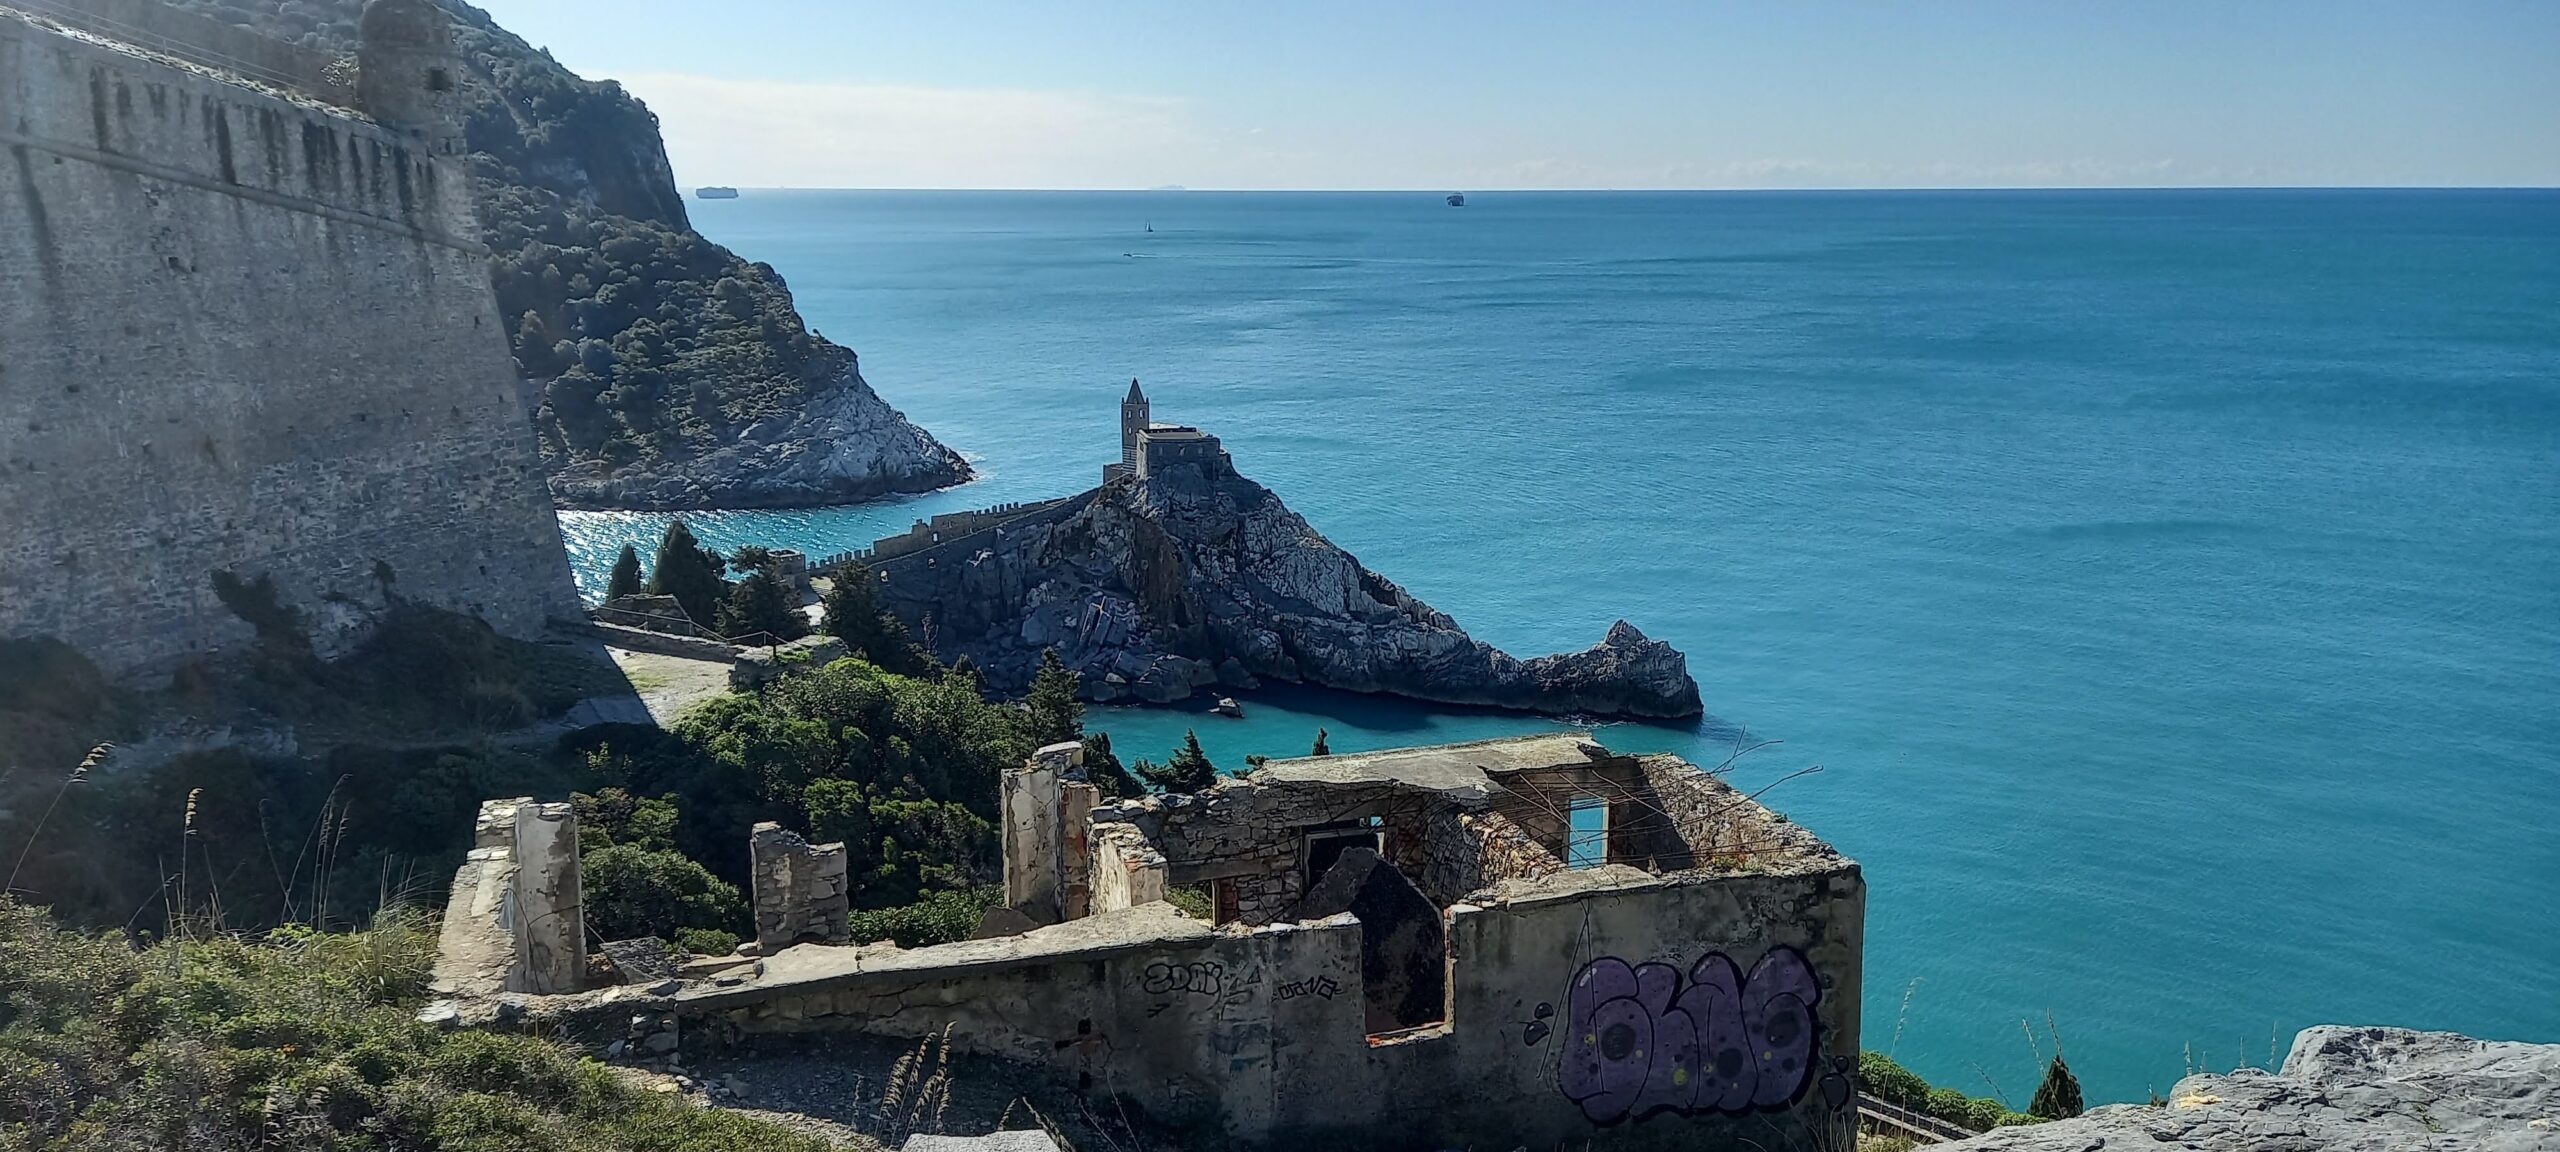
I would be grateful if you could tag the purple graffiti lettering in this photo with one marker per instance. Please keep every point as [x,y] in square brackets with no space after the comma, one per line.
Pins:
[1638,1040]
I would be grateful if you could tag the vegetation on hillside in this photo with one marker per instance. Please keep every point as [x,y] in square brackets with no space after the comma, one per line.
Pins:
[297,1039]
[648,341]
[1879,1076]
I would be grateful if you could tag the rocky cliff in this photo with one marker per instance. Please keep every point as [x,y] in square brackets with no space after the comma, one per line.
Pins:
[2341,1090]
[1197,576]
[662,371]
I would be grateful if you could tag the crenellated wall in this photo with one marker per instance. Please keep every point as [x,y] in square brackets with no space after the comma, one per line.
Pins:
[246,332]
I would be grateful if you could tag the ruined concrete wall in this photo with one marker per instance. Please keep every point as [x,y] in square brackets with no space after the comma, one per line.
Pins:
[1127,871]
[1254,1032]
[1560,1035]
[514,920]
[1046,808]
[1679,817]
[801,890]
[239,332]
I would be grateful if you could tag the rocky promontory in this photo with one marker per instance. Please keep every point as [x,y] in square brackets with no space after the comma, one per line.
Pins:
[1195,576]
[840,444]
[2340,1090]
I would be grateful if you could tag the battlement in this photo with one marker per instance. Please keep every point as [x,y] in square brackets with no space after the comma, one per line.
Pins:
[155,27]
[251,334]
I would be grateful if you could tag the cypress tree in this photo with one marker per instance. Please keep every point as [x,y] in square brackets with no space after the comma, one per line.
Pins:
[2058,1098]
[1056,714]
[1104,771]
[760,604]
[1188,771]
[1321,748]
[691,573]
[625,580]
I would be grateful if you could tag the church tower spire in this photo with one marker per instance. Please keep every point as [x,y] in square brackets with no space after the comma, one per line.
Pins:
[1134,418]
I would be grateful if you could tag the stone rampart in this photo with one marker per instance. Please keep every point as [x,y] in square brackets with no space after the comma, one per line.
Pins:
[244,333]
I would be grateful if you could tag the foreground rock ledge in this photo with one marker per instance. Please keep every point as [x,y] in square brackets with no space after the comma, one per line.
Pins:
[2341,1090]
[1195,576]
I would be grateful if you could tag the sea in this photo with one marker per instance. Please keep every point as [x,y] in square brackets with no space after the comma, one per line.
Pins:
[2165,584]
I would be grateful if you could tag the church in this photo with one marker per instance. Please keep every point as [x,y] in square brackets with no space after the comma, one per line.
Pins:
[1146,445]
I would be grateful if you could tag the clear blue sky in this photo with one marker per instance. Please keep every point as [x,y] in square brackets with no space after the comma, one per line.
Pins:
[1598,94]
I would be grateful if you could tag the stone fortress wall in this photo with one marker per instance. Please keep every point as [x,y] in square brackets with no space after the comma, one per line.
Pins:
[245,330]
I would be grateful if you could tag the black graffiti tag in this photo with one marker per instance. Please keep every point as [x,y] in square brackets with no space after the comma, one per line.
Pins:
[1197,978]
[1312,986]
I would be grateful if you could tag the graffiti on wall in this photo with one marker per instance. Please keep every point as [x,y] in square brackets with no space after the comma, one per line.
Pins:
[1638,1039]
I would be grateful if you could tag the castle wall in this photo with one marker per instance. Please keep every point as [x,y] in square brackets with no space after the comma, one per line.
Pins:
[243,332]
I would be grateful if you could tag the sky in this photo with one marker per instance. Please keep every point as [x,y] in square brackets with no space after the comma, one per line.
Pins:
[1497,94]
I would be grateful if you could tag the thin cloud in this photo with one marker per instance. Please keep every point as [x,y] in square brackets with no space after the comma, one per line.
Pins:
[774,134]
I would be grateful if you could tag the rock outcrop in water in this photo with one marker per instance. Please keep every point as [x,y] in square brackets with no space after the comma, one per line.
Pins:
[1193,576]
[2341,1090]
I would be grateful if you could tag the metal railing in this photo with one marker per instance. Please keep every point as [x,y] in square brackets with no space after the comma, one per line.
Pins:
[1923,1128]
[200,40]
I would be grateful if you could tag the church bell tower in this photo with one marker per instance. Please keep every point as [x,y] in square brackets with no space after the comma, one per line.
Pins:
[1134,417]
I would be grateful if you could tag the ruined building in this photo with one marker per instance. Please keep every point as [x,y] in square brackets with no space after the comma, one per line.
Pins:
[1527,942]
[245,328]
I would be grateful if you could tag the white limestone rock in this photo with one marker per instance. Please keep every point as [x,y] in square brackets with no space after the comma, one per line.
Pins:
[2341,1090]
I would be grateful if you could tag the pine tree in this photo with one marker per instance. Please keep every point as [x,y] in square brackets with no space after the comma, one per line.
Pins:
[625,580]
[1188,771]
[2058,1098]
[1056,714]
[1104,771]
[691,573]
[1321,748]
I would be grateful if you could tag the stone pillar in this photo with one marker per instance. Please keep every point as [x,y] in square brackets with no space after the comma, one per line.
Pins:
[548,900]
[800,890]
[513,921]
[1045,855]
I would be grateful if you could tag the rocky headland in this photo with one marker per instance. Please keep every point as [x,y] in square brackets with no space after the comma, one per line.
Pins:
[1195,576]
[2340,1090]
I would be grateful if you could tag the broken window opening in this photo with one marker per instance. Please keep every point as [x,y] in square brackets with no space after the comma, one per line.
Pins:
[1587,838]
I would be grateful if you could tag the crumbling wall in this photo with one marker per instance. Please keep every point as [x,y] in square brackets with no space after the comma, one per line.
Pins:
[1553,1040]
[514,920]
[1127,871]
[1251,1032]
[245,333]
[1047,860]
[801,893]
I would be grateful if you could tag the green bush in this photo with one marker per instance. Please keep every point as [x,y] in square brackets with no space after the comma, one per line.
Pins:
[632,891]
[940,918]
[301,1039]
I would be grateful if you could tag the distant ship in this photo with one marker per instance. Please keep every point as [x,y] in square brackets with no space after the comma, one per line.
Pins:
[1457,199]
[716,192]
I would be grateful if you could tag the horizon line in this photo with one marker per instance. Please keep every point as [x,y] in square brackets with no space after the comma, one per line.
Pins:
[1443,191]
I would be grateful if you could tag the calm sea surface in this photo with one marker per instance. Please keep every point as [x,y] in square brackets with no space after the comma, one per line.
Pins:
[2167,584]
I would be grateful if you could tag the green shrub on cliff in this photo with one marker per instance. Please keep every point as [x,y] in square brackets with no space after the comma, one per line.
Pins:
[1879,1076]
[299,1039]
[2058,1098]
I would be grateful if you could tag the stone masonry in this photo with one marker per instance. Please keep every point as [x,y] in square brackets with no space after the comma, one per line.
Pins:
[800,889]
[246,331]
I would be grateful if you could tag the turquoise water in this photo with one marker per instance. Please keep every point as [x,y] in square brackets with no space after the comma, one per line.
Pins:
[2168,584]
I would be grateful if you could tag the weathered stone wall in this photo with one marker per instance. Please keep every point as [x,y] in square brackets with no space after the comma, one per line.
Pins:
[801,891]
[241,332]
